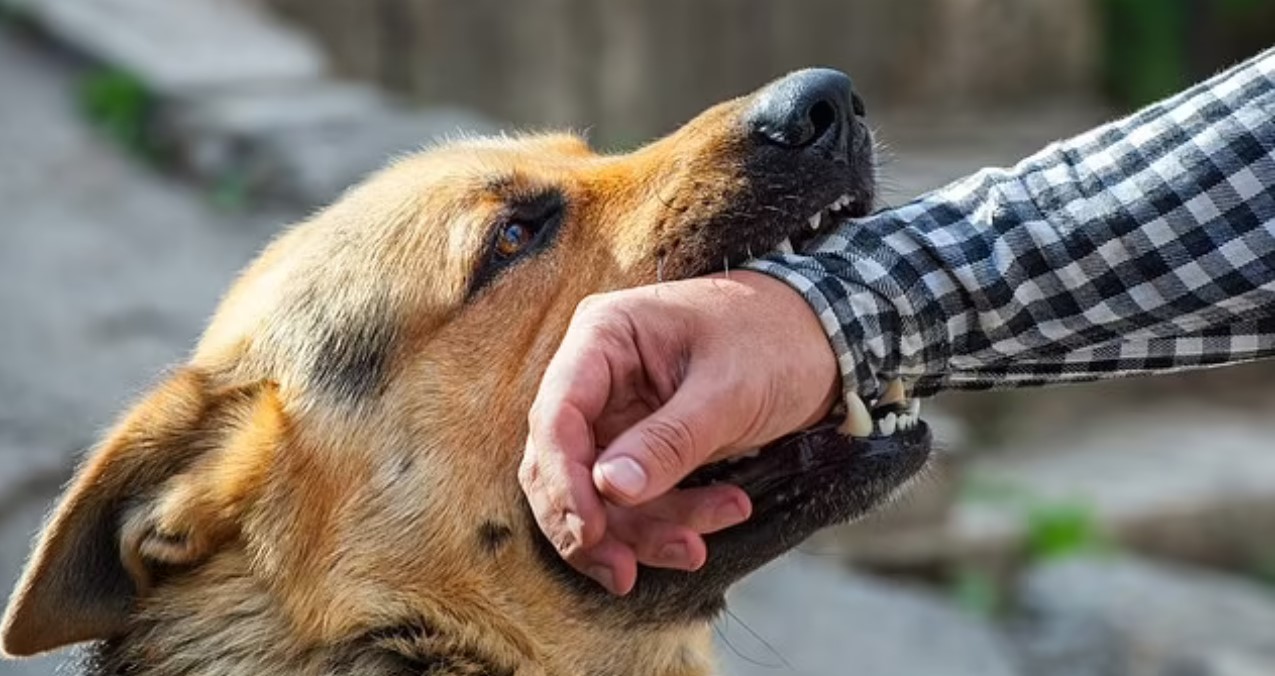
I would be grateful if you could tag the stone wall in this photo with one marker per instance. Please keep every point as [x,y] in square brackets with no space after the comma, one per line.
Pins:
[633,68]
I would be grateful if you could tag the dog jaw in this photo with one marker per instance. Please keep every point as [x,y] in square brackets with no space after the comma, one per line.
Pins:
[357,503]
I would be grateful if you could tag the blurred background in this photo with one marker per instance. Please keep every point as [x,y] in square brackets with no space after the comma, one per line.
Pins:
[149,147]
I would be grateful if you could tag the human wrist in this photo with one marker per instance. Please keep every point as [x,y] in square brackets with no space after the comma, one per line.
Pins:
[788,316]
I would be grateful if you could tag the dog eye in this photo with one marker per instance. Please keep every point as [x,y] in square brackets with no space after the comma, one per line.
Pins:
[528,225]
[514,238]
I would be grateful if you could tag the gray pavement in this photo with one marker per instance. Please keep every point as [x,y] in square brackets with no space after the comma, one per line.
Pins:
[107,273]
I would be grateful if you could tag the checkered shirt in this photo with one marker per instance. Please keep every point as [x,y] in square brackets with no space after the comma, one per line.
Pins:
[1145,245]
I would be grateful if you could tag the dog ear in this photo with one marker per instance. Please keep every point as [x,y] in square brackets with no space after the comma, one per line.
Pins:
[163,491]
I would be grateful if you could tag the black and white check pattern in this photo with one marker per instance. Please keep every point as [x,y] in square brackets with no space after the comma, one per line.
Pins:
[1146,245]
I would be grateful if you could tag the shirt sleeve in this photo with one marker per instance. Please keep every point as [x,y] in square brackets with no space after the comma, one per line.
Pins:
[1145,245]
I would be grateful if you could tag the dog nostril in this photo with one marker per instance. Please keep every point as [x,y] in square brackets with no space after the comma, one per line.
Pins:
[856,103]
[808,107]
[822,116]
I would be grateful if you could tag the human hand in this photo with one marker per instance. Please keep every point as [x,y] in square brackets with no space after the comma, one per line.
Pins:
[651,383]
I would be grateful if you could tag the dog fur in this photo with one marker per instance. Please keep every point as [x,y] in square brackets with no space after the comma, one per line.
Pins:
[328,486]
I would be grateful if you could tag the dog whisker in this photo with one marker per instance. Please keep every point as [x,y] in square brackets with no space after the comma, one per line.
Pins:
[783,662]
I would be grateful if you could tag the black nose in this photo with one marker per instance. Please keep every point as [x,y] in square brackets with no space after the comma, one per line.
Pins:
[808,107]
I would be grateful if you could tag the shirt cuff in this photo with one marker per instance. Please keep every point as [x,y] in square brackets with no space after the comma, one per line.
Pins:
[876,330]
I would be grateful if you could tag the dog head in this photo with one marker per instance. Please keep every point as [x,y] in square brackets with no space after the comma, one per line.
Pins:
[329,485]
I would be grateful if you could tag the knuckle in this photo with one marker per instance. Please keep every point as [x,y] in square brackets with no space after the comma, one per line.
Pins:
[565,545]
[528,472]
[545,419]
[594,302]
[539,415]
[670,444]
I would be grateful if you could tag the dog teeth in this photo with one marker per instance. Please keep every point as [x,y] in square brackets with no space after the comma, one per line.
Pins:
[858,421]
[785,246]
[894,393]
[816,221]
[914,408]
[888,424]
[906,422]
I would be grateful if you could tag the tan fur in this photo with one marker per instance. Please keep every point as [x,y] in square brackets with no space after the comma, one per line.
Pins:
[269,524]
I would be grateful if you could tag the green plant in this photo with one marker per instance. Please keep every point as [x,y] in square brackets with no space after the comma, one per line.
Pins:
[1145,51]
[1240,7]
[1061,530]
[976,592]
[231,192]
[1264,569]
[119,105]
[1053,528]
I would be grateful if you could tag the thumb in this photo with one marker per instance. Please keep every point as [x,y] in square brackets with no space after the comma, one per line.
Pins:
[650,458]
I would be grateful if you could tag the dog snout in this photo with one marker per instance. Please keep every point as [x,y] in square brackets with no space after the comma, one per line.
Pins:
[812,108]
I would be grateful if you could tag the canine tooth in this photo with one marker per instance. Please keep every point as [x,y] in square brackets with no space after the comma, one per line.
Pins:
[894,393]
[816,221]
[858,421]
[785,246]
[914,408]
[888,424]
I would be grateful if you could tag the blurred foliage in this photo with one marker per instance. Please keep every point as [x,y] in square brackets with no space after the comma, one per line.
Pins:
[1153,48]
[976,592]
[231,192]
[1145,53]
[1062,530]
[118,104]
[16,18]
[1054,529]
[1264,569]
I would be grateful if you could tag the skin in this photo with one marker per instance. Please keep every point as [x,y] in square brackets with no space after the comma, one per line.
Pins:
[665,379]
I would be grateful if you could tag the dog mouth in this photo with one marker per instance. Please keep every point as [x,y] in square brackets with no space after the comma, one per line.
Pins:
[797,228]
[824,220]
[834,471]
[828,457]
[829,473]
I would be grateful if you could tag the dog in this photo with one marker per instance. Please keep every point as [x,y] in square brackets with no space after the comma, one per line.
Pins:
[329,484]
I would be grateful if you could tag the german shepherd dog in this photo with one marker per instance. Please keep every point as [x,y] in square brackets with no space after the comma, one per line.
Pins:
[329,484]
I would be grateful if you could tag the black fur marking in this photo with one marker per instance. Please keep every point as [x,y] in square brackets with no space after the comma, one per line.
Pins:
[493,536]
[411,649]
[355,342]
[352,364]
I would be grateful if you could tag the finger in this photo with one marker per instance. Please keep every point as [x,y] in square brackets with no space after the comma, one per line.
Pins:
[611,563]
[563,500]
[560,450]
[652,456]
[702,510]
[655,542]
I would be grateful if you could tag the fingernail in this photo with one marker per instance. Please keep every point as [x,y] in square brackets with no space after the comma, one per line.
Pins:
[603,575]
[674,552]
[575,525]
[729,513]
[624,475]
